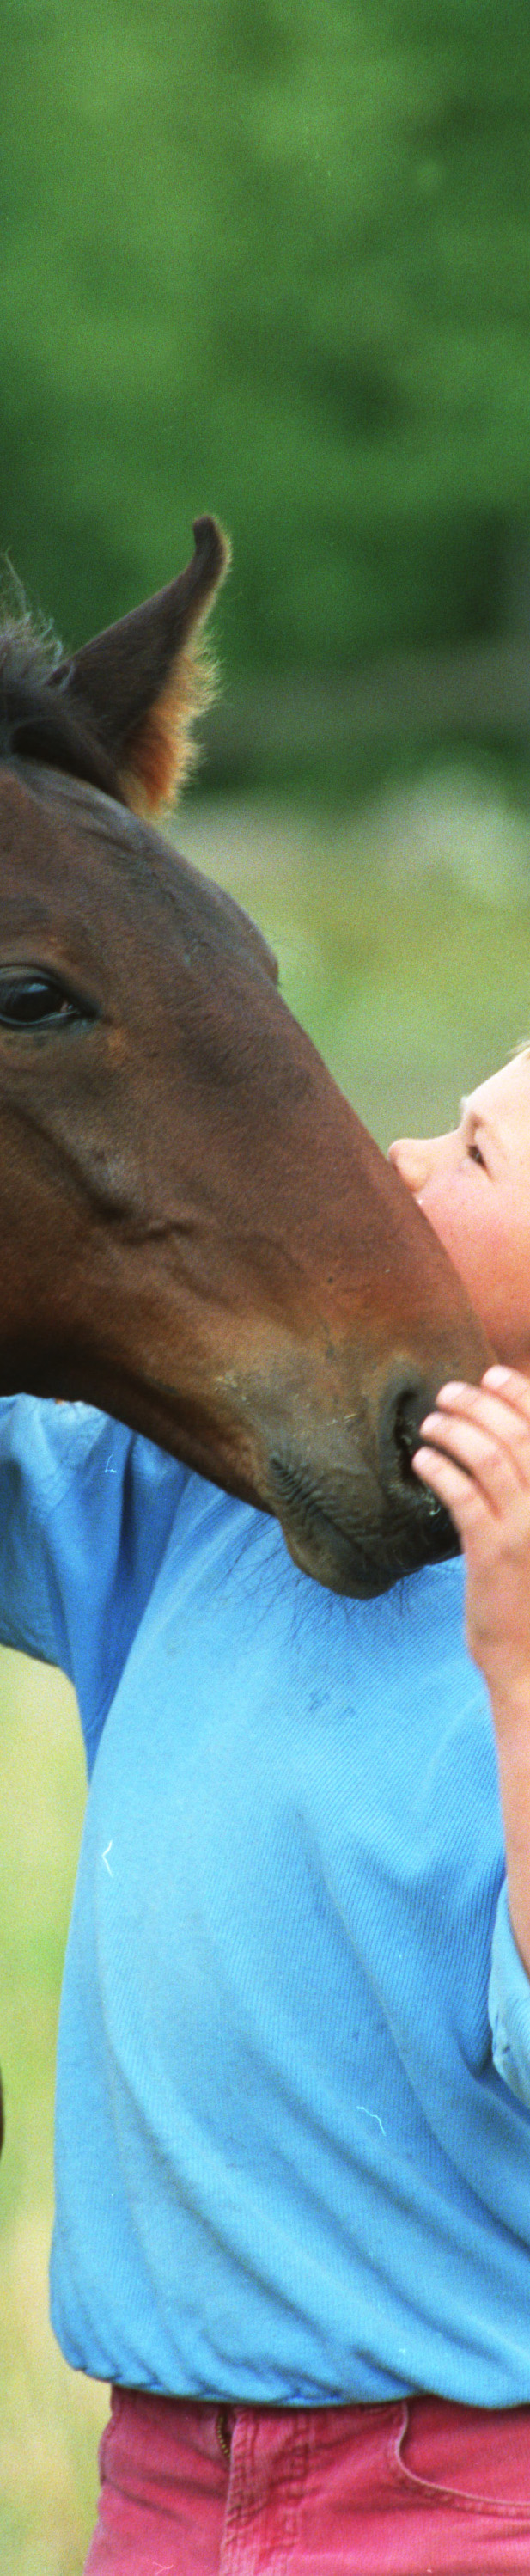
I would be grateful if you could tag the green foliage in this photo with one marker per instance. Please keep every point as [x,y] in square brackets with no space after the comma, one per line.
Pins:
[270,257]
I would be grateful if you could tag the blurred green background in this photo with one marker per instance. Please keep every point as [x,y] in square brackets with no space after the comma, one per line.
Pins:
[270,257]
[273,259]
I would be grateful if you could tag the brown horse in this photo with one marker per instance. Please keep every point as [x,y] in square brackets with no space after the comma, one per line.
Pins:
[197,1234]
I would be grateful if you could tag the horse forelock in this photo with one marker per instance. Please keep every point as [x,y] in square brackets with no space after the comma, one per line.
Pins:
[30,647]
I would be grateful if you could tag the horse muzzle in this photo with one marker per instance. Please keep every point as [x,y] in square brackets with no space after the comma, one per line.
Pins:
[359,1526]
[360,1552]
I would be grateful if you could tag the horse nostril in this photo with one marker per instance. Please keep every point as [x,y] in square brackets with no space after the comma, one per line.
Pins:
[402,1411]
[404,1405]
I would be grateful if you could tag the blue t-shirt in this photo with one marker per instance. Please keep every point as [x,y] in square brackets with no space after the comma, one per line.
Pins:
[289,2167]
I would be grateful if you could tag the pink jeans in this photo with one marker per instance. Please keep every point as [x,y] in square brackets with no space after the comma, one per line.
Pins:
[419,2488]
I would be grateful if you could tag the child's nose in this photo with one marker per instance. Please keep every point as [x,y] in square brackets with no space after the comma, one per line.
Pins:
[411,1156]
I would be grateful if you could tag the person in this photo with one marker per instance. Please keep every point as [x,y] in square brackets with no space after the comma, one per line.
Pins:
[293,2096]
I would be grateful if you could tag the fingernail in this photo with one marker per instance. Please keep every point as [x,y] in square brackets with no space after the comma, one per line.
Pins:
[496,1376]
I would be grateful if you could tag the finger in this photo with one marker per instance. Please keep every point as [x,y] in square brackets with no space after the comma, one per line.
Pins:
[481,1456]
[511,1386]
[503,1386]
[504,1424]
[452,1487]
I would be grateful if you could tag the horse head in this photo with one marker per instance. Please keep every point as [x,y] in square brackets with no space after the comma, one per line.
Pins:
[197,1233]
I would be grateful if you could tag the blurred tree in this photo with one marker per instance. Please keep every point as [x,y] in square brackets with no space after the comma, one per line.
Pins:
[271,257]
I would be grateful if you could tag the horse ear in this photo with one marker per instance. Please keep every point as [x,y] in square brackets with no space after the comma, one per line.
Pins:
[140,684]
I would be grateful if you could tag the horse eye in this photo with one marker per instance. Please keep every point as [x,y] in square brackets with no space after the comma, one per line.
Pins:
[36,1001]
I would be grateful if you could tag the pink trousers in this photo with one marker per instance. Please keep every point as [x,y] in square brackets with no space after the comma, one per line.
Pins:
[419,2488]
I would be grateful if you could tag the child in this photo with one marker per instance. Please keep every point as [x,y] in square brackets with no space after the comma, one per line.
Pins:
[293,2134]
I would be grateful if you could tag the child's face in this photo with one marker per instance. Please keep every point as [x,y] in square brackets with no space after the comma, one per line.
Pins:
[474,1187]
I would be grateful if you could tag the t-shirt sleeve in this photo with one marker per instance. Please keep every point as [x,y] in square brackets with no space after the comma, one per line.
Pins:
[509,2006]
[86,1509]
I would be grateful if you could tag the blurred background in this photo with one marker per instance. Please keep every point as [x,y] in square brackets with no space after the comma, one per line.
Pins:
[271,258]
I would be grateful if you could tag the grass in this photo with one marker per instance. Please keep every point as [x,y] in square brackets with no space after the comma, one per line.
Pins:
[404,941]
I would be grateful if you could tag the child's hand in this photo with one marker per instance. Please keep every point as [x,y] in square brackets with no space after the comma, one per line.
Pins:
[477,1462]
